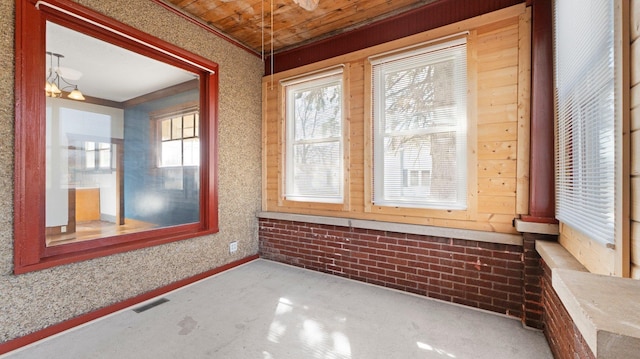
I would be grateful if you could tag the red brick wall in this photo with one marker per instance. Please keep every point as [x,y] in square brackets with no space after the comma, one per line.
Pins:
[563,336]
[477,274]
[532,289]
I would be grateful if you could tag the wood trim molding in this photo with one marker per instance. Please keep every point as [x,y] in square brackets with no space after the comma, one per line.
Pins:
[524,113]
[623,194]
[169,91]
[30,251]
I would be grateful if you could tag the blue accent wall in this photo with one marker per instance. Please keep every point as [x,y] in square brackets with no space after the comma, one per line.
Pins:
[150,193]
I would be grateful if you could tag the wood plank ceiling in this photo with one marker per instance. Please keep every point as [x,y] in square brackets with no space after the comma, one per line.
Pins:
[249,22]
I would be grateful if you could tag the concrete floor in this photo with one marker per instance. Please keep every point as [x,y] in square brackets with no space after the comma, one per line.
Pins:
[269,310]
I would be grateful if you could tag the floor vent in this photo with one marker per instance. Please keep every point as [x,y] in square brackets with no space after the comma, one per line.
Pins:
[148,306]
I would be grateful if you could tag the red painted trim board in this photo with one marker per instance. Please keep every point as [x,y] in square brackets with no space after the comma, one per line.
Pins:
[30,252]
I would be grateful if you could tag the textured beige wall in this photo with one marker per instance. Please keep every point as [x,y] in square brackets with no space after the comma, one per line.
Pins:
[35,300]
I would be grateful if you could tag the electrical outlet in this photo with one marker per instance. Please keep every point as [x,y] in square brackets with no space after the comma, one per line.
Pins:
[233,246]
[63,229]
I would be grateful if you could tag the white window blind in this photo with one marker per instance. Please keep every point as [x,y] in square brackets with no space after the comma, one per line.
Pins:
[314,138]
[420,127]
[585,116]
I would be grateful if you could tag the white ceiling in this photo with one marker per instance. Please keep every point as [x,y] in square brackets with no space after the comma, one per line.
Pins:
[108,71]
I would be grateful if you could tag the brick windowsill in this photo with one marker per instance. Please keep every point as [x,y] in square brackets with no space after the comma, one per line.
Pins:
[605,309]
[480,236]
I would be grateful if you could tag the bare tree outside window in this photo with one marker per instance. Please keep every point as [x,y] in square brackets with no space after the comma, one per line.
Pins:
[413,98]
[314,140]
[419,103]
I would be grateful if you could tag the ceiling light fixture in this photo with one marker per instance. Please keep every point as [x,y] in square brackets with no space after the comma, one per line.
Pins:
[308,5]
[55,76]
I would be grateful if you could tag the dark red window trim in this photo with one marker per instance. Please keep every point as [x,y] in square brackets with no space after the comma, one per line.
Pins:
[30,252]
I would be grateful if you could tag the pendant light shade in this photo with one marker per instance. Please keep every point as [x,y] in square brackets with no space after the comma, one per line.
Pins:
[56,84]
[76,95]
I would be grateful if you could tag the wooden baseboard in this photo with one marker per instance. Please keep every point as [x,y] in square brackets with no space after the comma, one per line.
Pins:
[84,318]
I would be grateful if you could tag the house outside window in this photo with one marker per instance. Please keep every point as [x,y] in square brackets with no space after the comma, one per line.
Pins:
[314,138]
[419,127]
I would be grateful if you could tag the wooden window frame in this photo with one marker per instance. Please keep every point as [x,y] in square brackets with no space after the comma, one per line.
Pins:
[344,205]
[30,250]
[404,61]
[156,119]
[470,213]
[322,79]
[96,159]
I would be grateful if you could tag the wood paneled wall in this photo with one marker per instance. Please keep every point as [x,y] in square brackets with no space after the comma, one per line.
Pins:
[593,255]
[635,137]
[499,96]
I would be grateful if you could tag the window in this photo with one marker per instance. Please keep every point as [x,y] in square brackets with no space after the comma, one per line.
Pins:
[87,162]
[97,155]
[314,138]
[416,178]
[419,127]
[179,142]
[178,149]
[586,117]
